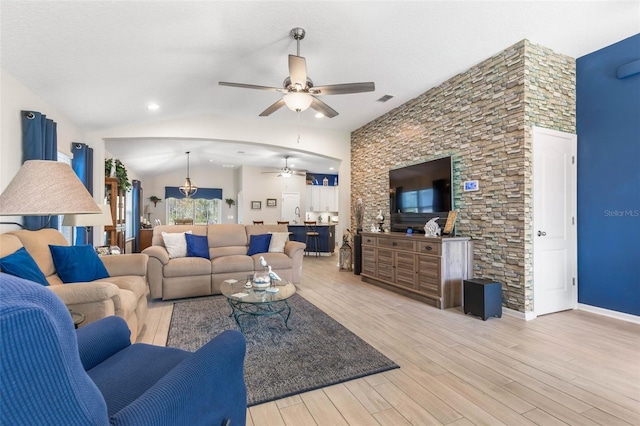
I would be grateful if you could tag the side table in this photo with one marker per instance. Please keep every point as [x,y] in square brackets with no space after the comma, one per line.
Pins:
[482,298]
[77,318]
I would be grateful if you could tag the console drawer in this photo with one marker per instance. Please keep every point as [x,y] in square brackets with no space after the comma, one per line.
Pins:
[370,241]
[428,247]
[396,243]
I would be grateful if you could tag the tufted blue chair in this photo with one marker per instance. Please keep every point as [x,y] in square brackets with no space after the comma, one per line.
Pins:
[51,374]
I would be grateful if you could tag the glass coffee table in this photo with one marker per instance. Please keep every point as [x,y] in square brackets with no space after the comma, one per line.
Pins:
[258,301]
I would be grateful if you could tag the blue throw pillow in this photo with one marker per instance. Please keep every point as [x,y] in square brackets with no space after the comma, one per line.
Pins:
[77,263]
[197,246]
[259,244]
[21,264]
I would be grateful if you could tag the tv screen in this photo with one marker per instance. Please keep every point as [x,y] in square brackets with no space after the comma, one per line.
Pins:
[422,188]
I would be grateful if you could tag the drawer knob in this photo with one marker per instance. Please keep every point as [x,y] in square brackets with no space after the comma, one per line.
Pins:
[368,240]
[395,243]
[428,248]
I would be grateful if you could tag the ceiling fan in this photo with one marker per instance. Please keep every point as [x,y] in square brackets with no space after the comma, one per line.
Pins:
[286,172]
[299,91]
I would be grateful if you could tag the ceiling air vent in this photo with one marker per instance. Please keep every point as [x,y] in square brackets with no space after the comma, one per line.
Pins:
[385,98]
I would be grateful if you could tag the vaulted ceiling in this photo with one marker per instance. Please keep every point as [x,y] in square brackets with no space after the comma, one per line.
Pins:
[100,63]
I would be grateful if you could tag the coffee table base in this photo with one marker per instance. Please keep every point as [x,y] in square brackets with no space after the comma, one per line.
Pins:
[278,307]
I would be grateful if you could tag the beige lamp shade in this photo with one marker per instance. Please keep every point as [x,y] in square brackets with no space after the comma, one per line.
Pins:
[103,219]
[42,188]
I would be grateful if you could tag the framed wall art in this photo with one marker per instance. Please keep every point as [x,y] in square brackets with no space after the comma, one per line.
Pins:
[256,205]
[272,202]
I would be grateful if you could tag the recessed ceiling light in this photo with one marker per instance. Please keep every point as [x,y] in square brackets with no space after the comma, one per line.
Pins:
[330,168]
[153,107]
[292,165]
[319,115]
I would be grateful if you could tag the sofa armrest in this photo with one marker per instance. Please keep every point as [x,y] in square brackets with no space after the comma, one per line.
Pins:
[205,388]
[157,252]
[292,247]
[102,339]
[82,293]
[126,264]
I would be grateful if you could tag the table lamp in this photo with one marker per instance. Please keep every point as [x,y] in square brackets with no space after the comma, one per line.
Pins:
[45,188]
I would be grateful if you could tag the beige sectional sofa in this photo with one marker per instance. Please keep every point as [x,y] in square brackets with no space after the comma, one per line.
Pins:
[123,294]
[179,277]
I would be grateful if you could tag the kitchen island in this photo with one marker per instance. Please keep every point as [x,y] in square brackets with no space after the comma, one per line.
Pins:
[326,239]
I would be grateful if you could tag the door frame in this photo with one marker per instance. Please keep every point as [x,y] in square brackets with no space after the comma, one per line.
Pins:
[573,206]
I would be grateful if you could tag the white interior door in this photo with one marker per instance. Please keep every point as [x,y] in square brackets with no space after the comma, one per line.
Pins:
[554,227]
[290,207]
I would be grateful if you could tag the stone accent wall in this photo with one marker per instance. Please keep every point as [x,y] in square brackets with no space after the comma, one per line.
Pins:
[483,119]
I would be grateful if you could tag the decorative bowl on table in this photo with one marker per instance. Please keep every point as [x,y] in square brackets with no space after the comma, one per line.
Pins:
[261,280]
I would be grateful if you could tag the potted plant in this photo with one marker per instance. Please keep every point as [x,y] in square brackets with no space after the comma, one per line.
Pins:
[230,202]
[111,165]
[155,200]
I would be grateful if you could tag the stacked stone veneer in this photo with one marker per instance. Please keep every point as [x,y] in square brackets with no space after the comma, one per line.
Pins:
[483,118]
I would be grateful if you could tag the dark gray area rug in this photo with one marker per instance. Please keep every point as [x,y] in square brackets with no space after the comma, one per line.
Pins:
[315,353]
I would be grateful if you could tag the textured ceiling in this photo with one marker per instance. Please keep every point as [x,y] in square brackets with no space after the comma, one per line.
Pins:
[101,62]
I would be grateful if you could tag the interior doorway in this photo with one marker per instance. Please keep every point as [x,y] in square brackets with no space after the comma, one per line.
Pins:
[290,207]
[554,221]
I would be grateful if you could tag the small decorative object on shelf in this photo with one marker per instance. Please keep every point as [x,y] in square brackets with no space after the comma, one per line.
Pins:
[380,219]
[432,229]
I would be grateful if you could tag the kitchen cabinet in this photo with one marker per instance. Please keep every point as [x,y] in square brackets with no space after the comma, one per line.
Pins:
[430,269]
[322,198]
[326,239]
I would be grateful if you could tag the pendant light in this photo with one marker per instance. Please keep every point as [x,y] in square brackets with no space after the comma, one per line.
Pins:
[189,188]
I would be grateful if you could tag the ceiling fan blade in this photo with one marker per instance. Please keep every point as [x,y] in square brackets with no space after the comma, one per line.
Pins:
[298,70]
[251,86]
[273,108]
[325,109]
[343,89]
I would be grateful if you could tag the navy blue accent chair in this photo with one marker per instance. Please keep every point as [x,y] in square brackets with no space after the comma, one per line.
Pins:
[51,373]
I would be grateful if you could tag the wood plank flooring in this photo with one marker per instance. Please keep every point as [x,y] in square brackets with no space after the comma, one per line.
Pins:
[572,367]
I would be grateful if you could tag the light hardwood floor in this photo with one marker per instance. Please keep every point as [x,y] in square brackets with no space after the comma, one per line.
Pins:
[571,367]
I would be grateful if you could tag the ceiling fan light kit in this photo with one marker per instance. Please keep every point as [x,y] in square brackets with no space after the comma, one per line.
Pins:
[299,91]
[286,172]
[298,101]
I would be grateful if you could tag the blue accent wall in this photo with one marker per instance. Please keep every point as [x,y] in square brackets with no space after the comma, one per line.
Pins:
[608,127]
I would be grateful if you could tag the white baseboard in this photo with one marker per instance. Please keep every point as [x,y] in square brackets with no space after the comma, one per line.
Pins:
[609,313]
[527,316]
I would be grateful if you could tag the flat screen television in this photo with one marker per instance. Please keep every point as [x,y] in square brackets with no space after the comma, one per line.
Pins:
[420,192]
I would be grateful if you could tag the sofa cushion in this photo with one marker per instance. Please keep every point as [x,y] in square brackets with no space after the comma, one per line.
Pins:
[197,246]
[187,266]
[77,263]
[21,264]
[278,240]
[275,260]
[259,244]
[37,244]
[231,264]
[225,235]
[175,243]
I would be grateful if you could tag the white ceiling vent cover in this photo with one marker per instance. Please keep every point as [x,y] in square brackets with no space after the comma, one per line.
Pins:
[385,98]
